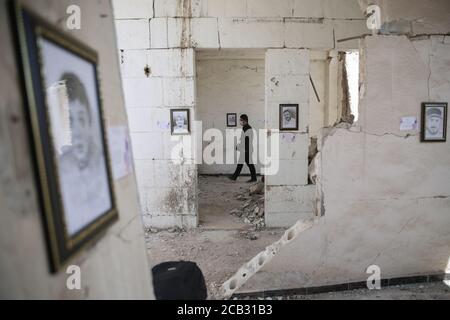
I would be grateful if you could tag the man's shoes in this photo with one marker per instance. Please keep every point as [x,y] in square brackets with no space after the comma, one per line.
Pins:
[252,180]
[232,178]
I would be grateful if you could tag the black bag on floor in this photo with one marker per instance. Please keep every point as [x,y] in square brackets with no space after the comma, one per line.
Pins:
[180,280]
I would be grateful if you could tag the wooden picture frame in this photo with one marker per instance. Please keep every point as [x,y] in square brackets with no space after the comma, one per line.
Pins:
[232,120]
[180,122]
[67,131]
[434,122]
[289,117]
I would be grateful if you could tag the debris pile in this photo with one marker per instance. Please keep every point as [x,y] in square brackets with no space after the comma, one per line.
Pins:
[252,209]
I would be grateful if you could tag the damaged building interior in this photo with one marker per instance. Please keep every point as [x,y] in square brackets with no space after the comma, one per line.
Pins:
[124,123]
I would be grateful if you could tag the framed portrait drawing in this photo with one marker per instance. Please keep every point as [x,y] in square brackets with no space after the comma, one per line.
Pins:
[66,123]
[231,119]
[434,122]
[289,117]
[180,122]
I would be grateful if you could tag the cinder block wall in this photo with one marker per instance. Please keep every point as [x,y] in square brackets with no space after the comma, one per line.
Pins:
[164,35]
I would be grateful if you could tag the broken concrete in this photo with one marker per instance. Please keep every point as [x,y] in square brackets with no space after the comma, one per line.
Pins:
[390,215]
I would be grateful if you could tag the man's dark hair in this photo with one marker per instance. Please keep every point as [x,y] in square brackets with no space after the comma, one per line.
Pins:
[244,117]
[76,91]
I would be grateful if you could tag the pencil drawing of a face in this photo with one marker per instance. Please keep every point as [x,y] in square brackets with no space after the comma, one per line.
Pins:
[434,121]
[80,120]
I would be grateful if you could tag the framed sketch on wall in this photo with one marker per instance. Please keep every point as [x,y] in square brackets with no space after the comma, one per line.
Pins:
[67,127]
[231,119]
[434,122]
[289,117]
[180,121]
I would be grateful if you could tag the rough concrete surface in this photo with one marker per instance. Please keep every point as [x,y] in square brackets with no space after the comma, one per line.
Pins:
[223,243]
[427,291]
[218,253]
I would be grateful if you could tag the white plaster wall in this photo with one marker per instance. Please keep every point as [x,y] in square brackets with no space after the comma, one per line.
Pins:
[414,17]
[116,266]
[287,82]
[385,194]
[229,85]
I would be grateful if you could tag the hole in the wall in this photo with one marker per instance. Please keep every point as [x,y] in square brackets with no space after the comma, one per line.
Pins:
[261,260]
[233,284]
[147,71]
[291,235]
[351,64]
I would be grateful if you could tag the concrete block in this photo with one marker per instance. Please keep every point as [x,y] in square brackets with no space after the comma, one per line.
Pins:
[251,33]
[133,63]
[286,219]
[158,33]
[133,9]
[172,63]
[273,115]
[287,62]
[345,29]
[166,222]
[178,8]
[133,34]
[220,8]
[168,201]
[143,92]
[308,9]
[293,146]
[179,92]
[139,119]
[267,8]
[342,9]
[147,145]
[287,199]
[162,146]
[195,32]
[179,148]
[164,174]
[149,119]
[314,35]
[288,88]
[205,33]
[440,73]
[179,33]
[290,173]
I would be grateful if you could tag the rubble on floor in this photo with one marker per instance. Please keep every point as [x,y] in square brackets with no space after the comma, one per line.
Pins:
[252,209]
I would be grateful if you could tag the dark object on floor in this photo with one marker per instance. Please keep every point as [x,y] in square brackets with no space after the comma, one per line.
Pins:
[182,280]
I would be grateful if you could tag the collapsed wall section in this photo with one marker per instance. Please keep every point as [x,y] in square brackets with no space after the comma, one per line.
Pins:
[385,193]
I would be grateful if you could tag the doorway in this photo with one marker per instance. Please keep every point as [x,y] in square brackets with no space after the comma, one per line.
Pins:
[230,83]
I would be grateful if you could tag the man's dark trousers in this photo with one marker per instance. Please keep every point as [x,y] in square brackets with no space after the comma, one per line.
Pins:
[247,162]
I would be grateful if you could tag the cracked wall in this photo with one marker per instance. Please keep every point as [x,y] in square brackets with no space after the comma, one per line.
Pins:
[158,42]
[114,267]
[385,193]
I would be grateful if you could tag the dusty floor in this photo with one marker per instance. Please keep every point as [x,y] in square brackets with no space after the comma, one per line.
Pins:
[423,291]
[218,196]
[222,243]
[218,253]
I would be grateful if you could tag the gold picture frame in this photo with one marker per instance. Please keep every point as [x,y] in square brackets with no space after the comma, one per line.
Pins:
[67,132]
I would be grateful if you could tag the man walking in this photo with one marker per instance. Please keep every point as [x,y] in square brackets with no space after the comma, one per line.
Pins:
[244,147]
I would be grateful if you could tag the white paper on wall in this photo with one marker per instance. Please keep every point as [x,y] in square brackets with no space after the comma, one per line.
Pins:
[408,123]
[120,150]
[288,137]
